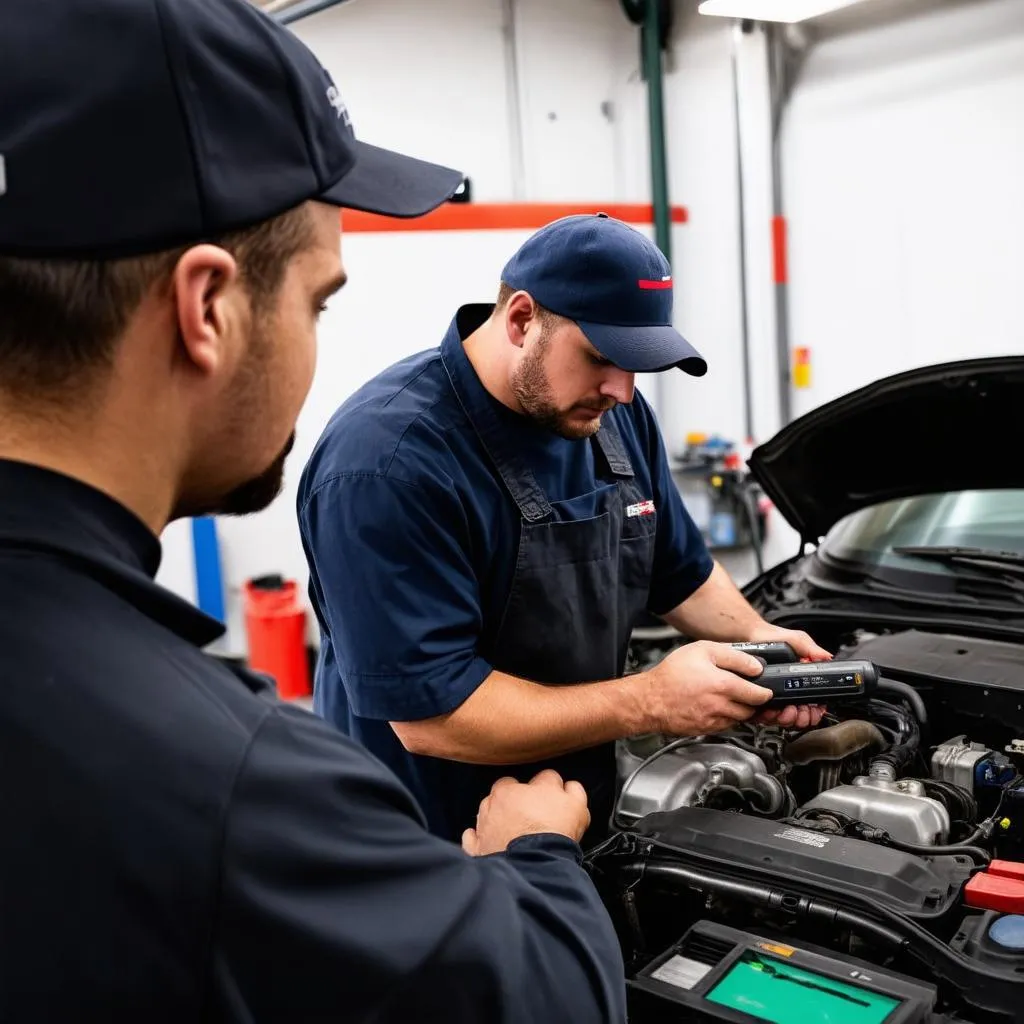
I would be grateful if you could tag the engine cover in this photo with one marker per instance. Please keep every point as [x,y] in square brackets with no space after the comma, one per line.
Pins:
[686,775]
[900,807]
[919,887]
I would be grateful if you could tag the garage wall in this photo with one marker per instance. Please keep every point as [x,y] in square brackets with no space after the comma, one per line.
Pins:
[447,99]
[902,151]
[904,157]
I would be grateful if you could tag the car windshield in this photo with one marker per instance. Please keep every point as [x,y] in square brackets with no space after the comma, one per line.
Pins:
[989,520]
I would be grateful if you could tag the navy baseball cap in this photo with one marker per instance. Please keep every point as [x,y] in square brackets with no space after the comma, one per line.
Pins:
[614,283]
[130,126]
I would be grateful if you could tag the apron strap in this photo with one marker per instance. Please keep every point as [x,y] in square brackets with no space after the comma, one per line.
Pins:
[614,451]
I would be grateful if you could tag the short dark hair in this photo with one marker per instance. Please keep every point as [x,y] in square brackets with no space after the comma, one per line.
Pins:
[546,317]
[60,320]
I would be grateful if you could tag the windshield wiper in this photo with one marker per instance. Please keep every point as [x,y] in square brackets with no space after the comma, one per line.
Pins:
[985,572]
[985,558]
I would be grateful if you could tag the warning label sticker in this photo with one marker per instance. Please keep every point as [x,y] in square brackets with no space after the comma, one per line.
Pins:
[681,972]
[799,835]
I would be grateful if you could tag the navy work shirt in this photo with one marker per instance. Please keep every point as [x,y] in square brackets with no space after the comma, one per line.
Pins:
[411,539]
[180,846]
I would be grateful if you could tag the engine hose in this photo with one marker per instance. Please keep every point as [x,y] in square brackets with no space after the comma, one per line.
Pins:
[762,804]
[861,830]
[818,911]
[902,753]
[958,801]
[835,742]
[976,853]
[723,790]
[908,693]
[897,712]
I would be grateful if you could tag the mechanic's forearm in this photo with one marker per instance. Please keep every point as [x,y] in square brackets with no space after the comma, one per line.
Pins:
[716,611]
[507,720]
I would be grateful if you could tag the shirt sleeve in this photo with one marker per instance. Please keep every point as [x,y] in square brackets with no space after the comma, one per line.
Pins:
[682,562]
[397,593]
[337,904]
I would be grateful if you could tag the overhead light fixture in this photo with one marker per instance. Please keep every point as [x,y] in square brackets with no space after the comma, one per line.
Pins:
[773,10]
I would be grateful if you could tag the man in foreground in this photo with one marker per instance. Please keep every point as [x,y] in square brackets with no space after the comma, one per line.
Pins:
[180,846]
[486,521]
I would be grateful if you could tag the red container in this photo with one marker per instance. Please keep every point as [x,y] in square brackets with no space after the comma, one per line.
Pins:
[275,625]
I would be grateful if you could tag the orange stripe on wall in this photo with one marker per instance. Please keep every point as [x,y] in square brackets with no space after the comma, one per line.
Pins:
[780,268]
[501,216]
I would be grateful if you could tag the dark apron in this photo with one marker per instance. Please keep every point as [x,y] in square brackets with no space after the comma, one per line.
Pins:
[578,589]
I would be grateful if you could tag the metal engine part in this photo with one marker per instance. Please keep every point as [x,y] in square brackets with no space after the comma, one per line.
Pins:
[901,807]
[686,775]
[956,761]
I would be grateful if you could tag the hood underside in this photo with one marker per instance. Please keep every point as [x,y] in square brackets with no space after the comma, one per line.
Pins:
[948,427]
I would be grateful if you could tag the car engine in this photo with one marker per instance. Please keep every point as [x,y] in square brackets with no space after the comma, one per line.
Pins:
[889,839]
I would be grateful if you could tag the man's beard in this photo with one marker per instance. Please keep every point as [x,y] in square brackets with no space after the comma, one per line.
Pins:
[253,495]
[256,494]
[532,389]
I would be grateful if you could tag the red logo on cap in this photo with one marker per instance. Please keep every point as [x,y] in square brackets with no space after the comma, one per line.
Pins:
[665,282]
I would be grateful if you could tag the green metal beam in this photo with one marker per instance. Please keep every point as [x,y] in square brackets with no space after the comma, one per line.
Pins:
[651,36]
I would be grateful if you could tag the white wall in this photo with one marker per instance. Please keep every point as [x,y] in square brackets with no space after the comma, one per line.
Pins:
[904,158]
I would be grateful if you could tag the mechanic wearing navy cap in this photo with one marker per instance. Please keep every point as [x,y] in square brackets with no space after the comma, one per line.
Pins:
[492,517]
[179,845]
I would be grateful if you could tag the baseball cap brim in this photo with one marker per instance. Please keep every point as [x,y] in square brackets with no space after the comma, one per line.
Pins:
[645,349]
[392,184]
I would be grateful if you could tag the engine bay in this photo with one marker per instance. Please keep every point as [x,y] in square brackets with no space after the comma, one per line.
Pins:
[888,842]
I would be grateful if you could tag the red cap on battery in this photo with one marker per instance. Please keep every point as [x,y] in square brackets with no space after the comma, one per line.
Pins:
[1000,887]
[1006,869]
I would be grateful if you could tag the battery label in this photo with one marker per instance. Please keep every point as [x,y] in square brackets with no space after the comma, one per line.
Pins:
[680,972]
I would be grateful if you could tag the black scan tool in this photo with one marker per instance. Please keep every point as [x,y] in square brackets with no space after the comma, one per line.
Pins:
[774,653]
[818,682]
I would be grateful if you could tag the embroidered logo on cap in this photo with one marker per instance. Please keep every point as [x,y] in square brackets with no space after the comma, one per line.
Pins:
[665,282]
[335,100]
[641,508]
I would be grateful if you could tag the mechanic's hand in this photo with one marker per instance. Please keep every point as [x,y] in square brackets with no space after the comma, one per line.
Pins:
[699,689]
[796,716]
[803,646]
[514,809]
[803,716]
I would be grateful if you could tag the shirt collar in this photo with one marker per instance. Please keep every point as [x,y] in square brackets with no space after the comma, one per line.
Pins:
[49,511]
[466,320]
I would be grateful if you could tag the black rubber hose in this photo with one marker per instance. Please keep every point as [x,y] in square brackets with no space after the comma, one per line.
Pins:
[861,830]
[976,853]
[908,693]
[801,906]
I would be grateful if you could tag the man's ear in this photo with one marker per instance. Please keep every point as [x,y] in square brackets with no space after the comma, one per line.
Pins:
[520,313]
[205,284]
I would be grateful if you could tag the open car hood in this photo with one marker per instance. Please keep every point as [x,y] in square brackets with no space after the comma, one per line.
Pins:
[948,427]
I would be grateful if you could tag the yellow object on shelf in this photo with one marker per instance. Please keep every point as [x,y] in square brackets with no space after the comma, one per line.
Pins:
[802,368]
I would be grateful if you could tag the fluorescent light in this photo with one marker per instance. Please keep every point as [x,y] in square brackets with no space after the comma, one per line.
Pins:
[773,10]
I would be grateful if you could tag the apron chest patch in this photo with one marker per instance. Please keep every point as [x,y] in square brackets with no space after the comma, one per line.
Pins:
[641,508]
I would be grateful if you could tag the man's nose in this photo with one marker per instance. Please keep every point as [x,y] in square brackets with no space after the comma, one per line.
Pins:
[619,385]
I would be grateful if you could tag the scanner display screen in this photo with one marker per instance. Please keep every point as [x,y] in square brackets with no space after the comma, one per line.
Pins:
[775,991]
